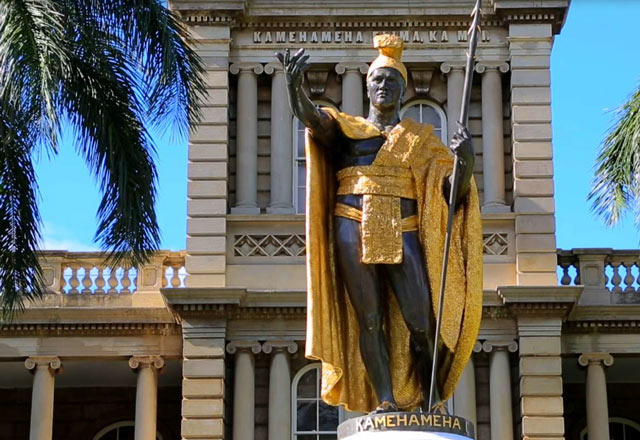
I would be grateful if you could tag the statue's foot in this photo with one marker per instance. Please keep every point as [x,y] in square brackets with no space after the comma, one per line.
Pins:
[386,407]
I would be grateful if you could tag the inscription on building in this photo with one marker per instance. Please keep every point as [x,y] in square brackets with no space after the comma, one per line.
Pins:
[361,37]
[407,420]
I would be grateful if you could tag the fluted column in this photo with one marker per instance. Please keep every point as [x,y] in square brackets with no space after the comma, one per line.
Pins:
[244,388]
[500,388]
[247,138]
[147,368]
[281,143]
[464,397]
[455,84]
[44,369]
[352,87]
[493,136]
[279,388]
[597,408]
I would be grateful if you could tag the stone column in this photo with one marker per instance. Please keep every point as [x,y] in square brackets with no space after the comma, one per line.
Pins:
[279,388]
[352,87]
[500,388]
[244,388]
[247,138]
[455,84]
[44,369]
[147,368]
[597,408]
[281,143]
[464,397]
[493,137]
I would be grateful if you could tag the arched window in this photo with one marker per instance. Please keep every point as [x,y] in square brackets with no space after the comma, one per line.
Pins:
[427,112]
[119,431]
[299,162]
[311,418]
[619,429]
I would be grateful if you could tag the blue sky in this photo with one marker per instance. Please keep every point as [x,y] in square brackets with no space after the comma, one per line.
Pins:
[594,68]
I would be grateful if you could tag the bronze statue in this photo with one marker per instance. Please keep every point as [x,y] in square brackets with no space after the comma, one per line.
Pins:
[376,208]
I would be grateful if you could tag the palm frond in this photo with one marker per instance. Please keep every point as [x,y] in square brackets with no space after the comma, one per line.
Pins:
[20,273]
[615,187]
[117,148]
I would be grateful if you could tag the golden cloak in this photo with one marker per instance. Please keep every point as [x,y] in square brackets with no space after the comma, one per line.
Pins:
[332,327]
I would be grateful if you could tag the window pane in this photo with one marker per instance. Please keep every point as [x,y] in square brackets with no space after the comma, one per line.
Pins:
[307,386]
[328,417]
[126,433]
[300,142]
[413,113]
[306,416]
[111,435]
[307,437]
[430,116]
[328,437]
[302,174]
[302,208]
[631,433]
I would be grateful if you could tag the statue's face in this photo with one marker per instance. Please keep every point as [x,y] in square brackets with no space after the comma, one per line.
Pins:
[385,87]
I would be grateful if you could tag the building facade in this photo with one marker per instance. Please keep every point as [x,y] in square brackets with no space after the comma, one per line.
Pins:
[208,343]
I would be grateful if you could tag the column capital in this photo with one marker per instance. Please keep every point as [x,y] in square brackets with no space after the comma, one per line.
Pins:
[236,68]
[136,362]
[280,346]
[452,67]
[52,362]
[510,346]
[490,66]
[234,347]
[274,67]
[586,359]
[477,347]
[342,68]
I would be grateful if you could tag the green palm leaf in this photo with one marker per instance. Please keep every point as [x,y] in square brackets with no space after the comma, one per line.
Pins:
[615,188]
[111,69]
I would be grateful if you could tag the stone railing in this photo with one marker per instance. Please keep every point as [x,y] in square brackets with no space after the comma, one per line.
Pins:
[87,273]
[605,273]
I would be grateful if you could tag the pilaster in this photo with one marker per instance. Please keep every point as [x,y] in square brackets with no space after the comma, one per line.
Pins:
[533,194]
[207,170]
[203,369]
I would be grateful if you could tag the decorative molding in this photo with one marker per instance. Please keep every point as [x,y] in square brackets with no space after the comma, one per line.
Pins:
[236,68]
[595,358]
[269,245]
[611,326]
[489,346]
[495,244]
[274,67]
[485,66]
[451,67]
[317,80]
[236,346]
[136,362]
[119,329]
[52,362]
[279,346]
[342,68]
[421,79]
[366,25]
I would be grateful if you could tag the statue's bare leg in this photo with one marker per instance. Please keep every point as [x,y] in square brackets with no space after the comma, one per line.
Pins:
[365,289]
[410,283]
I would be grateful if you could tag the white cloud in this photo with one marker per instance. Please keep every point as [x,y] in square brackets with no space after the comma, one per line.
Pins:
[55,238]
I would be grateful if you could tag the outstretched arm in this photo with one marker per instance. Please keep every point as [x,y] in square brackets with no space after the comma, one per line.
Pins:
[462,149]
[320,123]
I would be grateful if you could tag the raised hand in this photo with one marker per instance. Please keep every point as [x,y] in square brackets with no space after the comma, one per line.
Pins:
[294,67]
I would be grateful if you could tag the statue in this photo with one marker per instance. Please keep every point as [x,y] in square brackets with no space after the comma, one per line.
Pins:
[376,219]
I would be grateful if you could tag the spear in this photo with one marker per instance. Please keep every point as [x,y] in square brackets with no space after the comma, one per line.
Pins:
[464,111]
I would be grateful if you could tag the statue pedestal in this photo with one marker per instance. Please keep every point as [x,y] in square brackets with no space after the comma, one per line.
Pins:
[406,426]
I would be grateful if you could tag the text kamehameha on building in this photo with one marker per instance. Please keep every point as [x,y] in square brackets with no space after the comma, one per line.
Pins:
[362,37]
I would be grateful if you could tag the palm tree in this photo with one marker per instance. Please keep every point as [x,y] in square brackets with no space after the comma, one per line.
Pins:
[109,70]
[615,189]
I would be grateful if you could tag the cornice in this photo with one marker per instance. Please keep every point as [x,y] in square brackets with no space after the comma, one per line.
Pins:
[103,329]
[362,23]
